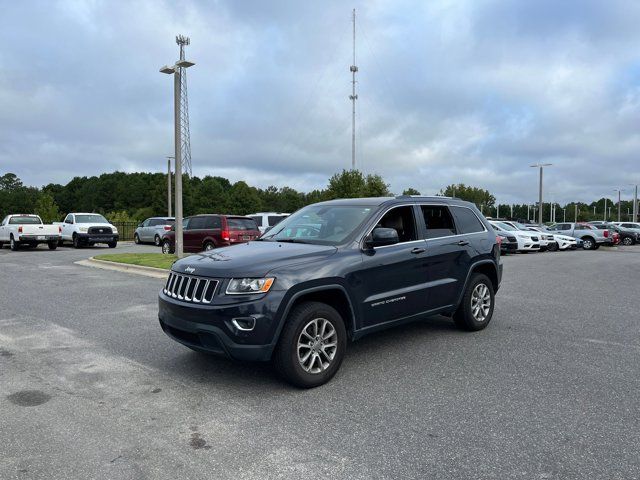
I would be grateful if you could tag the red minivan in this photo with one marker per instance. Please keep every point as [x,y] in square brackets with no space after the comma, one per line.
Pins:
[206,232]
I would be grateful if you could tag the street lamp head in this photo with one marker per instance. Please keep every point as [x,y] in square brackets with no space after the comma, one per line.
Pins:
[168,70]
[184,64]
[537,165]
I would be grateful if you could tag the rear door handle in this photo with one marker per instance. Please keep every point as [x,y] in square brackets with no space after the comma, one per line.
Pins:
[418,250]
[462,243]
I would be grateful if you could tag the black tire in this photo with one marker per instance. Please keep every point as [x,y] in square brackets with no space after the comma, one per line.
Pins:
[13,245]
[286,358]
[1,245]
[167,248]
[61,243]
[588,243]
[627,241]
[464,317]
[76,241]
[157,241]
[113,244]
[208,246]
[553,247]
[136,239]
[598,246]
[53,245]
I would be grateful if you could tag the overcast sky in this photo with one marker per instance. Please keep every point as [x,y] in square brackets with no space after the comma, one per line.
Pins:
[449,91]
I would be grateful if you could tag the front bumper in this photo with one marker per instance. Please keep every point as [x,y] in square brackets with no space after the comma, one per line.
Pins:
[98,237]
[210,328]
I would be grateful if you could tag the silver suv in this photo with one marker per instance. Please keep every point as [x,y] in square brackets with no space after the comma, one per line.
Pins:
[152,230]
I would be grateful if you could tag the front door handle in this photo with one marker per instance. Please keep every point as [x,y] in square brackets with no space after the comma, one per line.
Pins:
[418,250]
[462,243]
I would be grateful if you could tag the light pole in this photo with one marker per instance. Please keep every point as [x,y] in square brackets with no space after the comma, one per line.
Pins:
[635,203]
[176,71]
[605,209]
[576,214]
[169,185]
[564,215]
[619,191]
[541,167]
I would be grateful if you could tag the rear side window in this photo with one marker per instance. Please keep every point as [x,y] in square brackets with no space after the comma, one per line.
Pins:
[438,220]
[467,221]
[275,219]
[197,223]
[212,222]
[258,219]
[242,224]
[155,222]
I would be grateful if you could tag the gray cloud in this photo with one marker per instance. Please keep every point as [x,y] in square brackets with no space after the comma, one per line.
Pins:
[468,92]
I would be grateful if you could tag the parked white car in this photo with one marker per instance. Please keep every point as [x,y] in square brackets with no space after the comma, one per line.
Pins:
[88,229]
[560,242]
[527,241]
[266,220]
[545,238]
[17,230]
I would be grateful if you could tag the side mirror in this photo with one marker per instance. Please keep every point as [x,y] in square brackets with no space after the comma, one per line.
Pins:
[382,236]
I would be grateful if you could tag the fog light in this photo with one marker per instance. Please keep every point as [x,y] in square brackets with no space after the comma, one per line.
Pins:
[245,324]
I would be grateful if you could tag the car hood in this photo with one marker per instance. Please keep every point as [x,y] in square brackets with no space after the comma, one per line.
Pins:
[564,238]
[252,259]
[90,225]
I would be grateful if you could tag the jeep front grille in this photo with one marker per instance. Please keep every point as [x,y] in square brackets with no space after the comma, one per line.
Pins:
[189,288]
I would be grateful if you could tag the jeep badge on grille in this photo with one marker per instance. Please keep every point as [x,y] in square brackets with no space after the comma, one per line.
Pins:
[189,269]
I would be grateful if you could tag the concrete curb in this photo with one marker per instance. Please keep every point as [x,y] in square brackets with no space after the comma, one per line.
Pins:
[124,267]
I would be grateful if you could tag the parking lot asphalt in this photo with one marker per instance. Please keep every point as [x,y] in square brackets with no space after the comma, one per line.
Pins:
[90,387]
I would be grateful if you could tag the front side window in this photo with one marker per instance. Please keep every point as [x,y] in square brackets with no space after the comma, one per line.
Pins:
[402,220]
[69,219]
[91,218]
[321,224]
[467,221]
[438,220]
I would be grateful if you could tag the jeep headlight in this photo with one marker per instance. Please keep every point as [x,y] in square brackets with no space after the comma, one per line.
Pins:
[83,229]
[239,286]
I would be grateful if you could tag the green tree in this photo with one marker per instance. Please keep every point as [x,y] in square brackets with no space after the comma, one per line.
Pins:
[477,195]
[47,209]
[375,187]
[10,181]
[411,191]
[243,199]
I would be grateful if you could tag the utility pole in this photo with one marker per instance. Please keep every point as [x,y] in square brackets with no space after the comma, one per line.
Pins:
[605,209]
[497,210]
[511,211]
[635,203]
[528,211]
[541,167]
[353,97]
[564,215]
[176,71]
[169,185]
[576,219]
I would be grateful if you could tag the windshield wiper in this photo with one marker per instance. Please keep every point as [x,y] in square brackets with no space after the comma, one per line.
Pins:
[292,240]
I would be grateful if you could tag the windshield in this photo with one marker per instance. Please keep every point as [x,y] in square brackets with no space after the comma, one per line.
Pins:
[93,218]
[320,224]
[30,220]
[506,226]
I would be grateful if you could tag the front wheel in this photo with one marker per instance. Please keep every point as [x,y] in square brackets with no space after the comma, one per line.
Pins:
[112,244]
[476,309]
[553,247]
[136,239]
[76,241]
[53,245]
[311,346]
[167,248]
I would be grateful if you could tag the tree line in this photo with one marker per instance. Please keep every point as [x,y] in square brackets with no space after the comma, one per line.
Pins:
[133,197]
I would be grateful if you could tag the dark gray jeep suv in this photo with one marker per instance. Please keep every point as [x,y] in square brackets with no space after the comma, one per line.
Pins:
[333,272]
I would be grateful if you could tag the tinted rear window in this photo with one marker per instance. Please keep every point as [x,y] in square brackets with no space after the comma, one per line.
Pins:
[275,219]
[25,221]
[242,224]
[258,219]
[466,220]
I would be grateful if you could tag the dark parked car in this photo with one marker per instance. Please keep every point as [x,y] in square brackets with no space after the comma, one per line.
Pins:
[206,232]
[627,236]
[362,265]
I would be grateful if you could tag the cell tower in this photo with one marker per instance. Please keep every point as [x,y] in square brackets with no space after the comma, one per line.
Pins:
[353,97]
[182,41]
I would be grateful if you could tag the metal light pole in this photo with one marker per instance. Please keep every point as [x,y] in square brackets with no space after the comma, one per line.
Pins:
[528,211]
[564,215]
[605,209]
[176,71]
[169,202]
[576,220]
[619,191]
[541,167]
[635,203]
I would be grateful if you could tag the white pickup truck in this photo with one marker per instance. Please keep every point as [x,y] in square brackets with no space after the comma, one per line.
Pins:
[88,229]
[28,230]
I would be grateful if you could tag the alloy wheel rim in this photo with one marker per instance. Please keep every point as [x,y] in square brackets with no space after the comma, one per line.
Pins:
[157,240]
[165,248]
[317,345]
[208,247]
[480,302]
[627,241]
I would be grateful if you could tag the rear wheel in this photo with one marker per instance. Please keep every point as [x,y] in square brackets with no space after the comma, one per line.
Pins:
[53,245]
[311,346]
[553,246]
[209,246]
[476,309]
[627,241]
[1,244]
[157,241]
[13,244]
[167,248]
